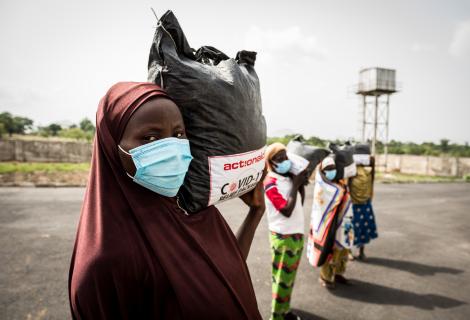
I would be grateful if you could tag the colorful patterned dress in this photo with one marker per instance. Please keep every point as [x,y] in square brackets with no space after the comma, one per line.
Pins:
[363,221]
[286,253]
[287,241]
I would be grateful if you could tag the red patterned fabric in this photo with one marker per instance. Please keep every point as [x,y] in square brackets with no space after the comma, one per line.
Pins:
[273,194]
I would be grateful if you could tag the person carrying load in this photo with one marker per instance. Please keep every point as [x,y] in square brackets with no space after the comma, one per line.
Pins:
[331,202]
[362,190]
[285,194]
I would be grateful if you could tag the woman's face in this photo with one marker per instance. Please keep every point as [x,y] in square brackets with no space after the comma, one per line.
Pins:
[279,157]
[156,119]
[330,167]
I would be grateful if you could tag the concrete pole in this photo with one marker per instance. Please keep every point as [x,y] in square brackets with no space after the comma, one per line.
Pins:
[374,139]
[386,131]
[364,119]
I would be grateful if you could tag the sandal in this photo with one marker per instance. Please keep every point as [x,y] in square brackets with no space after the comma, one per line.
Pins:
[326,284]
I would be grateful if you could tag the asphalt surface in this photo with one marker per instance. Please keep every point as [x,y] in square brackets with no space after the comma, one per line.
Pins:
[416,269]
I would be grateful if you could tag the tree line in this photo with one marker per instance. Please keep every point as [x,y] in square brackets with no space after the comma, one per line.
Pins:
[10,125]
[85,130]
[444,147]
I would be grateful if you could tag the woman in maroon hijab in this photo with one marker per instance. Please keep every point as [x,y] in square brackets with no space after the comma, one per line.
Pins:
[137,254]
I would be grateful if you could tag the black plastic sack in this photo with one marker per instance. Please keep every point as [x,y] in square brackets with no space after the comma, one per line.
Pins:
[220,100]
[361,149]
[345,165]
[313,154]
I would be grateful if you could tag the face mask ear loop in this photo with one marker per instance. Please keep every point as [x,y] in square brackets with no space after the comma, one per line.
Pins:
[120,148]
[123,150]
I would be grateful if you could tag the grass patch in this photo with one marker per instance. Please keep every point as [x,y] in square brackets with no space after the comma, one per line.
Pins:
[30,167]
[414,178]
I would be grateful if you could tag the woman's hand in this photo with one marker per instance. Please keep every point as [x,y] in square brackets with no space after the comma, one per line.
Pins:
[255,198]
[300,179]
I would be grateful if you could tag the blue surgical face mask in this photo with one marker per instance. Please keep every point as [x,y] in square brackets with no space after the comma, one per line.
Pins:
[283,167]
[161,165]
[330,174]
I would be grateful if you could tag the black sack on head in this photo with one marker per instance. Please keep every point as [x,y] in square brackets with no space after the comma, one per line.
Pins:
[345,165]
[362,149]
[362,154]
[220,100]
[313,154]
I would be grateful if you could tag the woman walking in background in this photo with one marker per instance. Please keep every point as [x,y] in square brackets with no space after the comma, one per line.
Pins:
[285,195]
[325,244]
[362,191]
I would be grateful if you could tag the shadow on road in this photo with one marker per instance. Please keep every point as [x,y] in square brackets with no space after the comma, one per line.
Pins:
[378,294]
[418,269]
[306,315]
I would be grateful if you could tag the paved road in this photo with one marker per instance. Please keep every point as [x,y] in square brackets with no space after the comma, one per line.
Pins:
[416,269]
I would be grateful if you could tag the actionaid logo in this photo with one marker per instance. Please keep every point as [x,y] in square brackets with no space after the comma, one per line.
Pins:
[243,163]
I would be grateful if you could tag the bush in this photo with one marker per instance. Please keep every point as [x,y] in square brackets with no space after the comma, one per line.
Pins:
[2,130]
[76,133]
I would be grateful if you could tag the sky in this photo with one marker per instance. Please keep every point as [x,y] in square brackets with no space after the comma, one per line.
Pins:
[58,58]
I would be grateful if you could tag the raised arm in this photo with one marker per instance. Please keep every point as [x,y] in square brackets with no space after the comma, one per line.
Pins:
[255,200]
[372,164]
[297,182]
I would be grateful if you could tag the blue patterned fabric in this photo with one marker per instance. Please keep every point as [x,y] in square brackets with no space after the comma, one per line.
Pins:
[364,225]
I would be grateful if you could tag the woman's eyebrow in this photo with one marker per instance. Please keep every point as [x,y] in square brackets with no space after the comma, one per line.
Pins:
[157,128]
[179,126]
[152,126]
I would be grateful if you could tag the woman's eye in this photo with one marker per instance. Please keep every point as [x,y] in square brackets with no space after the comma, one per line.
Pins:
[150,138]
[179,135]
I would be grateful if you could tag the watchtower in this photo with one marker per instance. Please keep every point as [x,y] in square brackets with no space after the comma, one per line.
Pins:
[376,85]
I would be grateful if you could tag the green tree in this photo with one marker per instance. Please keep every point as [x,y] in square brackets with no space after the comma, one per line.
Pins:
[395,147]
[86,125]
[18,125]
[54,129]
[2,130]
[6,119]
[444,145]
[22,124]
[317,142]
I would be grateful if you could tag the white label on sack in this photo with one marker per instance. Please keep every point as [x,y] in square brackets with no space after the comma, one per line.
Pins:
[362,159]
[350,171]
[233,175]
[299,163]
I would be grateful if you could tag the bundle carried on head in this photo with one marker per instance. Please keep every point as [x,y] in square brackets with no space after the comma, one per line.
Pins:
[220,100]
[313,154]
[362,154]
[345,165]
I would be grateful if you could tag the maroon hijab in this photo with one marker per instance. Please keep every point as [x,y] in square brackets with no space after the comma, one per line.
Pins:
[137,255]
